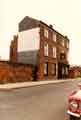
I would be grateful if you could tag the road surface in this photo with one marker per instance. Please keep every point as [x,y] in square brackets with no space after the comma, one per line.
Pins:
[45,102]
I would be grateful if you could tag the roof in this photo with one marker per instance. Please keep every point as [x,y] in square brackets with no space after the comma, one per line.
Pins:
[26,17]
[39,21]
[54,30]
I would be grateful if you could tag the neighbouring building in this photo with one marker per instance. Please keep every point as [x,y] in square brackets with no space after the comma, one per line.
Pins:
[74,71]
[43,47]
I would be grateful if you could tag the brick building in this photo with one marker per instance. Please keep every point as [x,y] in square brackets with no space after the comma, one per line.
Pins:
[13,49]
[74,71]
[43,47]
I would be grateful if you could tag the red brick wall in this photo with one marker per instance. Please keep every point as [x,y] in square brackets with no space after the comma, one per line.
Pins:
[13,72]
[50,60]
[71,74]
[74,72]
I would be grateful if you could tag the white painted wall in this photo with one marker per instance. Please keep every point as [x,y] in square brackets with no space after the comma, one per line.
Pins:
[29,40]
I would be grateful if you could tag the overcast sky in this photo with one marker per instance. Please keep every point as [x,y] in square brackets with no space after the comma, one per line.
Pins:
[64,15]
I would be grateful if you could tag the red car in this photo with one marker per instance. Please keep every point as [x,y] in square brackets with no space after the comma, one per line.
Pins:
[74,106]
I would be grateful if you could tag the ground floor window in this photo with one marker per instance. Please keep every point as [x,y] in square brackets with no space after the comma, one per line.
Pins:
[67,71]
[53,70]
[64,70]
[45,68]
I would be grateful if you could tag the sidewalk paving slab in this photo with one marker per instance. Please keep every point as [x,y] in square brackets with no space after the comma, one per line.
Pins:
[9,86]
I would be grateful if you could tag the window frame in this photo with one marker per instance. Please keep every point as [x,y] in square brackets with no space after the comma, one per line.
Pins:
[46,33]
[46,69]
[67,44]
[46,49]
[54,52]
[54,37]
[63,42]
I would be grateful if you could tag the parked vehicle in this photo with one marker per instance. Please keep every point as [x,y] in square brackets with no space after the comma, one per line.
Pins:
[74,105]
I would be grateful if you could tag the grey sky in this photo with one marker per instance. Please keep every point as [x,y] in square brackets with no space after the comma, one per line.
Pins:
[63,14]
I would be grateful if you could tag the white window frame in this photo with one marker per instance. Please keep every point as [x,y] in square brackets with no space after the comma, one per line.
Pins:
[66,71]
[45,68]
[63,71]
[46,50]
[46,33]
[54,52]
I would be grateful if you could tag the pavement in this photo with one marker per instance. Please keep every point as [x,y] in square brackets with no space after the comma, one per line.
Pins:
[17,85]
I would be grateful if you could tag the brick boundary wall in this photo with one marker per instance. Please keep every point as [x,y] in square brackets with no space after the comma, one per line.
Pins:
[15,72]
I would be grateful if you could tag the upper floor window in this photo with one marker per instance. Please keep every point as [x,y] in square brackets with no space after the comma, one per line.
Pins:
[46,33]
[54,52]
[46,49]
[54,37]
[62,56]
[63,42]
[67,44]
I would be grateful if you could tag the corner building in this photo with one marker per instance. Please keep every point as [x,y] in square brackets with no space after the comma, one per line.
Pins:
[43,47]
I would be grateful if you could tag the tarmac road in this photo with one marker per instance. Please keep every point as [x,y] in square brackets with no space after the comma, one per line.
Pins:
[44,102]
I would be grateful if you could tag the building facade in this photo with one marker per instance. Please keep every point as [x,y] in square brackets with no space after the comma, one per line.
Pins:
[42,46]
[62,56]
